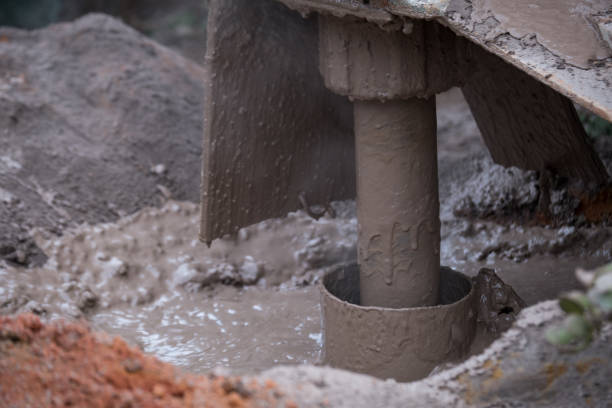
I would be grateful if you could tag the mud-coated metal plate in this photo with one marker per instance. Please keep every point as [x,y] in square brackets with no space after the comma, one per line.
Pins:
[272,130]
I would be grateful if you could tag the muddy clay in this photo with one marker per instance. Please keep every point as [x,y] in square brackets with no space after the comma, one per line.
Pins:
[520,369]
[176,298]
[64,364]
[191,302]
[149,279]
[578,43]
[536,260]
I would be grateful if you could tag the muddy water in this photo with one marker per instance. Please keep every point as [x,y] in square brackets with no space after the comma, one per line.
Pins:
[246,303]
[538,262]
[249,303]
[245,329]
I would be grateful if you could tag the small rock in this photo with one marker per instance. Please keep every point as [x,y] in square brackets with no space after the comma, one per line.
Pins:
[158,169]
[87,300]
[132,365]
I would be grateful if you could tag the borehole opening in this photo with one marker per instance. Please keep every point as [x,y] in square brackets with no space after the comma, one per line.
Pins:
[344,284]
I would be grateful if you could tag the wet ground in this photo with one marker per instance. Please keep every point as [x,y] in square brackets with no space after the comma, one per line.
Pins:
[247,303]
[252,302]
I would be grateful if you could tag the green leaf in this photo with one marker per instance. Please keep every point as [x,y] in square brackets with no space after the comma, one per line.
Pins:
[575,302]
[575,332]
[559,336]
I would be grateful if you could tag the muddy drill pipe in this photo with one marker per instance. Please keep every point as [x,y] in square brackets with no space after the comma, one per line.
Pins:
[396,159]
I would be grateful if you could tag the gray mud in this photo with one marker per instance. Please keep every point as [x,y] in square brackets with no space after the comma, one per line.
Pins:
[245,302]
[245,330]
[91,145]
[249,302]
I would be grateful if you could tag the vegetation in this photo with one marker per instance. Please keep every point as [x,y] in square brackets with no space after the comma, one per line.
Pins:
[586,311]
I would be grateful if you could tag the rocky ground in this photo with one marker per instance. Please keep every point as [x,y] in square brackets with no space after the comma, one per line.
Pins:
[100,124]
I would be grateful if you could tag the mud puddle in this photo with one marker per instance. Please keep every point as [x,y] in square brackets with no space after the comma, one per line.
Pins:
[538,262]
[246,330]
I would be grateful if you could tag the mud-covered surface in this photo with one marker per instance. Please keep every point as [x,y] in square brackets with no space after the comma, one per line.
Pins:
[98,141]
[535,37]
[249,302]
[65,364]
[97,122]
[245,303]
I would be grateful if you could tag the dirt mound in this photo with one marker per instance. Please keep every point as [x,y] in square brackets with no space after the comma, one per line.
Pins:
[95,118]
[63,364]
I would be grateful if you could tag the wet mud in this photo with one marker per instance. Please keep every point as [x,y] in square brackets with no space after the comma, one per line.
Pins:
[249,302]
[245,302]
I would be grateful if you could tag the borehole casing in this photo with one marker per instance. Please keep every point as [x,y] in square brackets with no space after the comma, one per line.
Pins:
[404,344]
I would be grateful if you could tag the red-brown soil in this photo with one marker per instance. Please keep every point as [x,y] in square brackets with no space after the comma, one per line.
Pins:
[65,364]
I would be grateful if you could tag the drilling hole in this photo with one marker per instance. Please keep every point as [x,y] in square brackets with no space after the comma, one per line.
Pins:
[506,310]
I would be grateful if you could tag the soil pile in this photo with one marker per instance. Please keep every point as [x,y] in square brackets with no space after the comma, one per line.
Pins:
[64,364]
[62,165]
